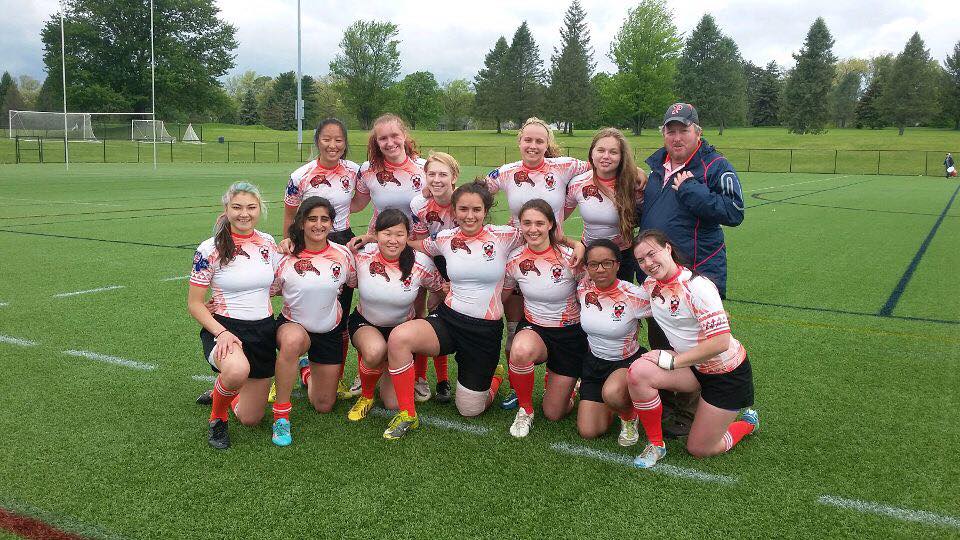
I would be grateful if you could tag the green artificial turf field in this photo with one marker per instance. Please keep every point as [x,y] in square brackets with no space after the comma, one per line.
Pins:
[842,288]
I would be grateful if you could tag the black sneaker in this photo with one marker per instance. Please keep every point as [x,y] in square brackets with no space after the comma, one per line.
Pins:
[218,437]
[443,394]
[205,398]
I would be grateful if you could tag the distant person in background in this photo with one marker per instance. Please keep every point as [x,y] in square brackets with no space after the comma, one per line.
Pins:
[949,165]
[692,190]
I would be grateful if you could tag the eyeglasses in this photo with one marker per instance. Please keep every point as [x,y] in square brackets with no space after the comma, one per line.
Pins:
[607,264]
[648,257]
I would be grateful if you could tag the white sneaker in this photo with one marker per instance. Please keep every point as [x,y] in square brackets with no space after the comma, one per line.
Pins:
[650,456]
[521,424]
[628,433]
[355,389]
[421,390]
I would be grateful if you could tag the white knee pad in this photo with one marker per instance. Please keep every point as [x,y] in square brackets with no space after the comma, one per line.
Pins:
[511,331]
[471,402]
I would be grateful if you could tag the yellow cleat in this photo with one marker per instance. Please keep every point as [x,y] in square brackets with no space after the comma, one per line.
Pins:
[272,396]
[360,409]
[400,425]
[343,391]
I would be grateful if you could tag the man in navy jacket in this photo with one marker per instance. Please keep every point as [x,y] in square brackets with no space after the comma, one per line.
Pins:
[692,190]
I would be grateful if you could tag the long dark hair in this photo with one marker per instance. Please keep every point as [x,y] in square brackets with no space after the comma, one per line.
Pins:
[477,187]
[544,208]
[295,231]
[343,129]
[222,239]
[389,218]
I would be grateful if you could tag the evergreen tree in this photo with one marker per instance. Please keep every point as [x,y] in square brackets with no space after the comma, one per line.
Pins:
[869,111]
[571,97]
[524,76]
[12,100]
[844,97]
[804,104]
[326,103]
[490,84]
[911,95]
[308,87]
[711,75]
[420,99]
[278,109]
[366,67]
[6,81]
[764,86]
[950,95]
[249,116]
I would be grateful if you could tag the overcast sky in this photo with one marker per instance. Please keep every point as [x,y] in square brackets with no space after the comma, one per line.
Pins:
[451,38]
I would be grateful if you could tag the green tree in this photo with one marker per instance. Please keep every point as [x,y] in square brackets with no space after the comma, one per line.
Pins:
[711,75]
[456,104]
[911,95]
[645,51]
[278,108]
[571,98]
[950,95]
[327,103]
[869,111]
[490,84]
[805,106]
[844,97]
[29,88]
[108,56]
[613,109]
[6,81]
[764,86]
[249,115]
[420,99]
[525,75]
[11,100]
[366,66]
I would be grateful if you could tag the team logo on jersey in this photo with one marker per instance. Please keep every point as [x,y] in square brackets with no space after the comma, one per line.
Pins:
[489,251]
[265,254]
[377,268]
[521,177]
[457,243]
[319,180]
[550,181]
[302,266]
[335,271]
[407,282]
[200,262]
[618,310]
[674,306]
[529,265]
[292,188]
[556,272]
[345,183]
[417,182]
[433,217]
[494,174]
[658,293]
[238,250]
[387,177]
[591,299]
[591,190]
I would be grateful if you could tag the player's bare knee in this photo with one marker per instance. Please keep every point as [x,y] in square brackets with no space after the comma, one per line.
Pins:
[640,373]
[323,404]
[700,450]
[553,412]
[249,419]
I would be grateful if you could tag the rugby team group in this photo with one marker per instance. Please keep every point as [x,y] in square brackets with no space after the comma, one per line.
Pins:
[434,278]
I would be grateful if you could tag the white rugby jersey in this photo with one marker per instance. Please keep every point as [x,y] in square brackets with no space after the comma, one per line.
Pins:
[394,186]
[597,208]
[336,185]
[689,311]
[610,317]
[475,266]
[385,299]
[430,217]
[548,182]
[241,289]
[548,284]
[310,284]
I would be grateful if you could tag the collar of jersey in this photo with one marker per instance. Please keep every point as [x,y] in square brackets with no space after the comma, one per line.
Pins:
[386,260]
[605,180]
[243,236]
[535,252]
[309,253]
[540,167]
[672,278]
[474,235]
[322,168]
[391,165]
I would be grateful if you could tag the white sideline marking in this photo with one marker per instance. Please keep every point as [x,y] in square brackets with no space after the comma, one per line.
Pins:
[177,278]
[662,468]
[112,360]
[65,202]
[17,341]
[101,289]
[902,514]
[4,304]
[204,378]
[438,422]
[799,183]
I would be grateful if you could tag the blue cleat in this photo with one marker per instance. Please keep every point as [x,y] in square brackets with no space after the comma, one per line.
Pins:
[650,456]
[281,432]
[510,402]
[750,416]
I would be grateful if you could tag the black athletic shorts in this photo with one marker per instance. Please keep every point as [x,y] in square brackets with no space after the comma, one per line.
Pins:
[325,348]
[357,321]
[475,341]
[566,347]
[259,340]
[596,371]
[346,294]
[731,391]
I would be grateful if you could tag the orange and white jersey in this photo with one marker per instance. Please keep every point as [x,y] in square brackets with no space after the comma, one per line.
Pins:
[548,182]
[475,266]
[310,284]
[610,317]
[597,208]
[548,284]
[394,186]
[241,289]
[689,310]
[336,185]
[430,217]
[385,299]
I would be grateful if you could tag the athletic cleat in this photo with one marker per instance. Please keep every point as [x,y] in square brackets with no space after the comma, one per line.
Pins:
[218,437]
[628,433]
[650,456]
[303,363]
[281,432]
[360,409]
[401,423]
[343,391]
[444,393]
[421,390]
[272,396]
[521,424]
[205,398]
[750,416]
[510,402]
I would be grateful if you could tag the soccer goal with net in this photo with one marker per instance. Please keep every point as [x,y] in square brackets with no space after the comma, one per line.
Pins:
[190,136]
[149,130]
[51,125]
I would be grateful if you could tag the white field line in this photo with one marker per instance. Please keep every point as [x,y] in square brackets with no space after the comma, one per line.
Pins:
[88,291]
[903,514]
[17,341]
[799,183]
[620,459]
[65,202]
[176,278]
[4,304]
[116,360]
[204,378]
[439,422]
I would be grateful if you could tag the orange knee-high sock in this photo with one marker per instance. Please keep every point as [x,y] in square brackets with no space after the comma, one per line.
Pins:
[522,380]
[495,385]
[368,379]
[650,414]
[403,381]
[305,375]
[222,397]
[420,366]
[735,432]
[281,410]
[627,416]
[440,367]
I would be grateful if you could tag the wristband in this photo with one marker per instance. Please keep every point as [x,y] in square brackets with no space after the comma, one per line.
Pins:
[218,335]
[665,360]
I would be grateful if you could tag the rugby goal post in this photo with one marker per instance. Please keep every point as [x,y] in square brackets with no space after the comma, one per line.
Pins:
[149,130]
[76,126]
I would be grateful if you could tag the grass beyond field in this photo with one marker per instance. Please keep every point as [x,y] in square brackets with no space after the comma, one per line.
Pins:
[842,288]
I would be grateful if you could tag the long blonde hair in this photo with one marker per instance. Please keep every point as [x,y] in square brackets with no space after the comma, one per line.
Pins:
[553,150]
[628,176]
